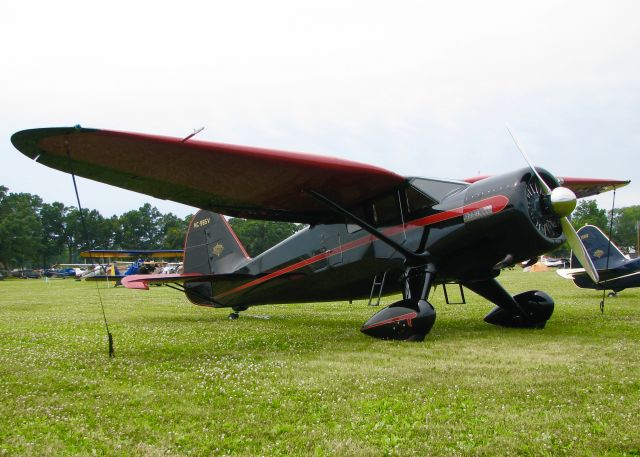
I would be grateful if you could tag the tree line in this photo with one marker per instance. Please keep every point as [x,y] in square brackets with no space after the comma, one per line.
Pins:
[36,234]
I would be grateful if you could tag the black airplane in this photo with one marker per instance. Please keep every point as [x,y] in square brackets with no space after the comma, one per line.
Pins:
[616,272]
[367,227]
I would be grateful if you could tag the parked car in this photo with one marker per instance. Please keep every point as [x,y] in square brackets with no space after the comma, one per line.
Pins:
[26,274]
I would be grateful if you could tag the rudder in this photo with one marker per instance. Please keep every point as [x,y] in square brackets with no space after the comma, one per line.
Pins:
[598,245]
[210,246]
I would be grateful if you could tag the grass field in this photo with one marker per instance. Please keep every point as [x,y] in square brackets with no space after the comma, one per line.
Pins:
[187,381]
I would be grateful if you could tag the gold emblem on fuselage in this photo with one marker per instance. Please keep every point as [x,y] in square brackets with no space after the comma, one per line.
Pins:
[217,249]
[598,253]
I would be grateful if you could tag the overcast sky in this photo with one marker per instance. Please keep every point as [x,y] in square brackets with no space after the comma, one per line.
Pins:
[420,88]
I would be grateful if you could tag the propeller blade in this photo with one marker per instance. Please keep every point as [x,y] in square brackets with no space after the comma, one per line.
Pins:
[545,187]
[578,249]
[563,201]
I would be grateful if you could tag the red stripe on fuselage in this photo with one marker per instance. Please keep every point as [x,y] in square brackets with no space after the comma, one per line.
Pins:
[497,203]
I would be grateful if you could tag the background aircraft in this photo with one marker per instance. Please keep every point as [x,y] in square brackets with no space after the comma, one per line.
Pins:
[61,272]
[368,227]
[112,270]
[615,270]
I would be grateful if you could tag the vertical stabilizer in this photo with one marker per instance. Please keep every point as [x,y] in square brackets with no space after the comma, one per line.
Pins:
[598,246]
[210,246]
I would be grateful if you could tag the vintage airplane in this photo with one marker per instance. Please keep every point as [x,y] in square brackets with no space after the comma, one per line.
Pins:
[58,271]
[367,225]
[132,254]
[615,270]
[112,270]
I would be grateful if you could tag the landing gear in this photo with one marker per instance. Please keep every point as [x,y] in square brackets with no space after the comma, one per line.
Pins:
[613,293]
[409,319]
[526,310]
[537,307]
[236,312]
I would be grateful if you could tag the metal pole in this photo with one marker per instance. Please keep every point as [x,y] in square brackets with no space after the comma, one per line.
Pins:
[637,238]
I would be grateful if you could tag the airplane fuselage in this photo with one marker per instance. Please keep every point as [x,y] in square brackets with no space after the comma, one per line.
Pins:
[466,234]
[623,276]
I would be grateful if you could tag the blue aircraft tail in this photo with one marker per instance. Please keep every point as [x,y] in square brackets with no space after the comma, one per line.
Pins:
[598,246]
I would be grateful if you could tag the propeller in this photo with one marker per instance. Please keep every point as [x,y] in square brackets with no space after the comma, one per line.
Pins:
[563,202]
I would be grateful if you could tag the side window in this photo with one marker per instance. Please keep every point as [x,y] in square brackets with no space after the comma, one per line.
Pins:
[381,211]
[416,200]
[386,210]
[437,189]
[424,193]
[364,212]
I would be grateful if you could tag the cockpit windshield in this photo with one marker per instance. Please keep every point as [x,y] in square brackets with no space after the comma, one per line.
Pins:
[437,189]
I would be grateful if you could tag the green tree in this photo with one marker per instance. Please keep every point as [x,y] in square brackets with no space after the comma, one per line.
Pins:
[52,218]
[140,229]
[587,212]
[20,229]
[99,232]
[258,236]
[173,231]
[625,226]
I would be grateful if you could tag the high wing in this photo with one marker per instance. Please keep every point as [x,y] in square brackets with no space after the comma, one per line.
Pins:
[129,253]
[233,180]
[587,187]
[582,187]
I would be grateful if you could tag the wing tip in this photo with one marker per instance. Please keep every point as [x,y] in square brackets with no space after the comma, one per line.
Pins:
[26,141]
[135,282]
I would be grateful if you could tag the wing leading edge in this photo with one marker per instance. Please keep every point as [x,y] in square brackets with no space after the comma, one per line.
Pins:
[132,253]
[233,180]
[582,187]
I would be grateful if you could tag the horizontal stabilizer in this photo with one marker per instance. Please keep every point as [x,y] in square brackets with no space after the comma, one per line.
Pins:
[143,281]
[570,273]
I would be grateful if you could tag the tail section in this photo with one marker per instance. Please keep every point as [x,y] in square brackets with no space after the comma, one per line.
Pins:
[211,247]
[598,246]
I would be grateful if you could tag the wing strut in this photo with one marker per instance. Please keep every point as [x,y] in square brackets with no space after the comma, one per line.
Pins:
[613,207]
[412,258]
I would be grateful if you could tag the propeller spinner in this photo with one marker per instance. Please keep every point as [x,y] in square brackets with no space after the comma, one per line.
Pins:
[563,202]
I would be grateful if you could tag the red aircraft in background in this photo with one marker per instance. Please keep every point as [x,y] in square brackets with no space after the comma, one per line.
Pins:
[368,227]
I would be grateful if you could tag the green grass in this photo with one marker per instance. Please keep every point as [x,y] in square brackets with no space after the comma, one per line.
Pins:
[187,381]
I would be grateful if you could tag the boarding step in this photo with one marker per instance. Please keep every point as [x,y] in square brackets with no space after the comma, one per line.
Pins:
[379,284]
[461,299]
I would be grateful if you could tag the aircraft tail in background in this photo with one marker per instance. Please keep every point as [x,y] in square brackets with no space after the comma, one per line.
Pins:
[598,247]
